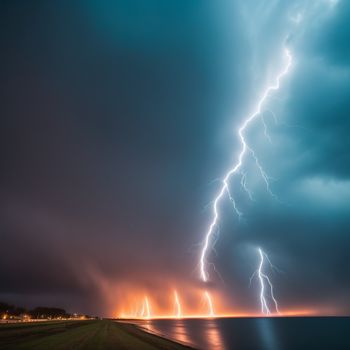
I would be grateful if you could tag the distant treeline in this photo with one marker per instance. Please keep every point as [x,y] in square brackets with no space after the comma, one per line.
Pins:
[38,312]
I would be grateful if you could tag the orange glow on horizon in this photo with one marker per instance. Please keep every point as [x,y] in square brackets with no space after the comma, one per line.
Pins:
[288,313]
[193,303]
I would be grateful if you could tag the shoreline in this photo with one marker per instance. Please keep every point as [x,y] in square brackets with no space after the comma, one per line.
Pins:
[162,336]
[142,331]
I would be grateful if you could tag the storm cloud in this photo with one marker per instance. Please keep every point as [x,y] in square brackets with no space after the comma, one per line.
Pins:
[117,119]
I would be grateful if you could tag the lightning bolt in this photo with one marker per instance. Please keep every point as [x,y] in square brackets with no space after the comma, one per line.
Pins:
[245,187]
[210,304]
[265,309]
[213,227]
[146,310]
[142,313]
[265,129]
[177,305]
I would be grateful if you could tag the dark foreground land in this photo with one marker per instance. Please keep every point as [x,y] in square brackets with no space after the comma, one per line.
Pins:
[82,335]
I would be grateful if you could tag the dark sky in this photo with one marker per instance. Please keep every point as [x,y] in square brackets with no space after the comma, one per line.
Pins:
[117,119]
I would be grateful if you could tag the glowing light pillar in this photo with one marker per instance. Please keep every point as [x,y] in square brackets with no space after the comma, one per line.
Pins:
[178,311]
[210,304]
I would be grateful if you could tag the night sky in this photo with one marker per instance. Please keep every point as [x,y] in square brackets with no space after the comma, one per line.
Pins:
[119,118]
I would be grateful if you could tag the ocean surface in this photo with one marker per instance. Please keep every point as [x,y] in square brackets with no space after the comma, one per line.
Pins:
[283,333]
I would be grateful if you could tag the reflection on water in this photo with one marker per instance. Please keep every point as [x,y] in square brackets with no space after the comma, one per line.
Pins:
[180,332]
[147,325]
[213,335]
[267,334]
[191,332]
[300,333]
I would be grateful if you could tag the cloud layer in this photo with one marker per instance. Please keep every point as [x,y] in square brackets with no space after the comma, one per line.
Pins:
[118,117]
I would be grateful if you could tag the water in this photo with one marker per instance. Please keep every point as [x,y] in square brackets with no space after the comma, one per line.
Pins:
[298,333]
